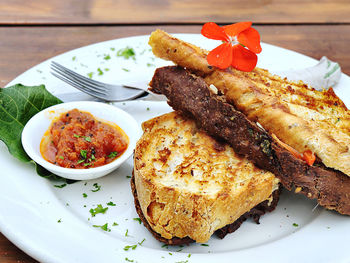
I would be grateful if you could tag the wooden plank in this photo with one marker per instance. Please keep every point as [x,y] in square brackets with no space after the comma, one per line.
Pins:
[11,254]
[173,11]
[23,47]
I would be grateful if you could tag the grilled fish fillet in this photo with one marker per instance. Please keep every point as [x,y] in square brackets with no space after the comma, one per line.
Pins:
[190,185]
[297,114]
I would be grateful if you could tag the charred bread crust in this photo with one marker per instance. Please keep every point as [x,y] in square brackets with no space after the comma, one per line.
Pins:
[190,94]
[254,213]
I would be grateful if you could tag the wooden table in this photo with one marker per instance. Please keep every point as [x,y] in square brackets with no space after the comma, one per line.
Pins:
[33,31]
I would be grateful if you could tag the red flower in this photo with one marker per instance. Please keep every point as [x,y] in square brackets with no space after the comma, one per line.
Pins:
[241,44]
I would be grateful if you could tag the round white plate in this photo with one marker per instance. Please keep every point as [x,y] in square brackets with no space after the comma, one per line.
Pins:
[54,224]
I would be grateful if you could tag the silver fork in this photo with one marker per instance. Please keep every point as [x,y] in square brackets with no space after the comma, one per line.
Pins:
[104,91]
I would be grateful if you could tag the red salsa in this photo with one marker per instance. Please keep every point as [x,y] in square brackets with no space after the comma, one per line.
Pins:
[77,140]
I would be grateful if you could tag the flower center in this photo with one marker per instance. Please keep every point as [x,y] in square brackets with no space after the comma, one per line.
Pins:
[233,40]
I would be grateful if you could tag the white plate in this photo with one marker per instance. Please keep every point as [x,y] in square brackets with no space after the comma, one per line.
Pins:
[54,224]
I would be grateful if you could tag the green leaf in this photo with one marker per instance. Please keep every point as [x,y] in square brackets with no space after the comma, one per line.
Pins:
[18,104]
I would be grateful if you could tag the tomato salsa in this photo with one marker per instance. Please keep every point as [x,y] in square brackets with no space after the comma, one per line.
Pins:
[78,140]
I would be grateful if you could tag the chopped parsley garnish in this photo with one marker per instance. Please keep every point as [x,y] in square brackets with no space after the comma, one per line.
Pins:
[150,65]
[129,260]
[83,154]
[140,243]
[112,155]
[165,246]
[61,157]
[59,220]
[107,57]
[85,195]
[74,58]
[115,224]
[205,245]
[76,135]
[295,225]
[87,138]
[87,164]
[106,69]
[128,176]
[80,161]
[138,220]
[189,255]
[97,187]
[90,74]
[127,53]
[103,227]
[100,72]
[60,186]
[98,210]
[126,233]
[170,254]
[125,69]
[133,247]
[148,108]
[111,203]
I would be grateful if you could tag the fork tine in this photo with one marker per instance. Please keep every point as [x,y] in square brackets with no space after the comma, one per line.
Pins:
[61,69]
[79,81]
[81,87]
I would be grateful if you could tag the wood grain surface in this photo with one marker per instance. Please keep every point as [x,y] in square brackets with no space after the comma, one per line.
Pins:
[24,47]
[33,31]
[170,11]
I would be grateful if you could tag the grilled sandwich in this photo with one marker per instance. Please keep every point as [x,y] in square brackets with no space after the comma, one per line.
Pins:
[278,116]
[187,185]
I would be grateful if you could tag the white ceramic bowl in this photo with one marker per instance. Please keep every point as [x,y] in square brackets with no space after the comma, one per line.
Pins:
[39,123]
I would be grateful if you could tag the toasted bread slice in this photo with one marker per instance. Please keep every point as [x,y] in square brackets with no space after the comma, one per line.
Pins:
[190,185]
[190,94]
[298,115]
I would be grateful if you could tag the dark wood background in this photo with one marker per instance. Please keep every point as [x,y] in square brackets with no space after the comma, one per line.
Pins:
[33,31]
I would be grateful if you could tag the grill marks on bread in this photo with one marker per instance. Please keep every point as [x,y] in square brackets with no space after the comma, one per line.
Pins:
[190,94]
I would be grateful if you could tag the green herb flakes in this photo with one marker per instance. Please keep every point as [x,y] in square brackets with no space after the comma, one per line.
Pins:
[107,57]
[115,224]
[112,155]
[83,154]
[127,53]
[60,186]
[111,203]
[140,243]
[97,187]
[100,72]
[133,247]
[85,195]
[61,157]
[126,233]
[90,74]
[125,69]
[59,220]
[98,210]
[103,227]
[129,260]
[295,225]
[138,220]
[74,58]
[128,176]
[150,65]
[204,245]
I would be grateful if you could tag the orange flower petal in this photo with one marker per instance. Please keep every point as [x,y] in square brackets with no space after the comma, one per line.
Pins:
[213,31]
[251,39]
[235,29]
[221,56]
[243,59]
